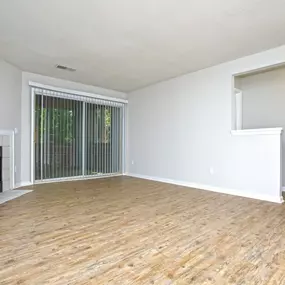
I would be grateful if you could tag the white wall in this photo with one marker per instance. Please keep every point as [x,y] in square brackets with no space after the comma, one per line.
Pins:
[181,128]
[10,105]
[26,111]
[264,102]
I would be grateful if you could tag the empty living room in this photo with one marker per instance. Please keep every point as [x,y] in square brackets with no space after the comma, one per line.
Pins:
[141,142]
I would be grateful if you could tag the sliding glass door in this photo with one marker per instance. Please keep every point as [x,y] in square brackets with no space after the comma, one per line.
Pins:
[76,136]
[103,139]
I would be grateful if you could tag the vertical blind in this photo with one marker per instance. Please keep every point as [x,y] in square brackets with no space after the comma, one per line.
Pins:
[76,136]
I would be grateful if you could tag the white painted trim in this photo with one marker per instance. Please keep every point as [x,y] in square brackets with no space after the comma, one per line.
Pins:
[124,133]
[262,68]
[76,92]
[32,135]
[250,132]
[12,160]
[239,111]
[234,192]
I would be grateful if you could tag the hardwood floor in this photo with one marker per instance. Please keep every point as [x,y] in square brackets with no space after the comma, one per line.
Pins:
[130,231]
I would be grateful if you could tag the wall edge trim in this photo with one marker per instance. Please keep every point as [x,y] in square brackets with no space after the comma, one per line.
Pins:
[228,191]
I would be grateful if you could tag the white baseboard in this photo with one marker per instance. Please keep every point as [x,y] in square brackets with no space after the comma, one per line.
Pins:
[275,199]
[23,184]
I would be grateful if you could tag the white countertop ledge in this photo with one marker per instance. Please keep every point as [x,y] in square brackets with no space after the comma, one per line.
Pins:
[256,132]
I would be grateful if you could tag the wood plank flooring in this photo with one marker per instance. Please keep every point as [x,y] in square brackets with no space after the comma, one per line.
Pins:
[130,231]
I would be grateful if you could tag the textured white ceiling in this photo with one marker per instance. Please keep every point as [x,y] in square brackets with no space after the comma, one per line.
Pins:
[128,44]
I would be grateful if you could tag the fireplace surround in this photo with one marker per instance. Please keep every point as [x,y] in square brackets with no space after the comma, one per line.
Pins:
[6,160]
